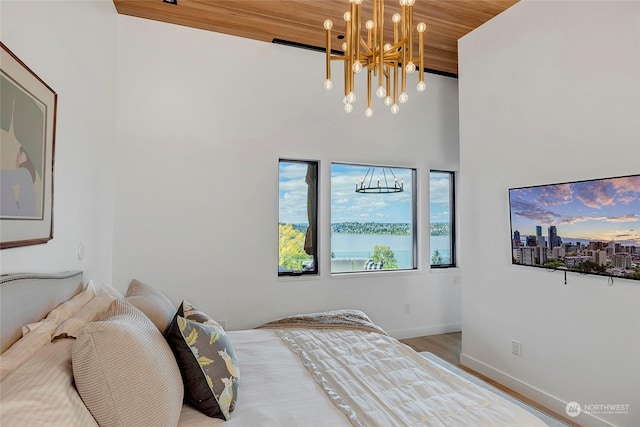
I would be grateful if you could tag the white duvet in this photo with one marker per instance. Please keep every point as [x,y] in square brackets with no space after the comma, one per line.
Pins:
[377,381]
[361,379]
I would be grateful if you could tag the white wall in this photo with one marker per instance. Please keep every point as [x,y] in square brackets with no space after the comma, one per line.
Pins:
[549,92]
[72,47]
[202,119]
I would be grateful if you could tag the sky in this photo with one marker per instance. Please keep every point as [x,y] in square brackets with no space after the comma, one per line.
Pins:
[293,193]
[349,206]
[599,210]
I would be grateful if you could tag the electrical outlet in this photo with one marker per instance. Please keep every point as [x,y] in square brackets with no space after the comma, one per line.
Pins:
[516,348]
[407,308]
[223,323]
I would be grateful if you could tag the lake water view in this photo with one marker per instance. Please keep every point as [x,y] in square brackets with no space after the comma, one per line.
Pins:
[345,245]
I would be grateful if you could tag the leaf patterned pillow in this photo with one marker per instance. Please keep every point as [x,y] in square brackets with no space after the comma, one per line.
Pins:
[206,360]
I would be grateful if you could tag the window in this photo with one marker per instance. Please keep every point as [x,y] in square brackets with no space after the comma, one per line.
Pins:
[298,215]
[442,223]
[372,229]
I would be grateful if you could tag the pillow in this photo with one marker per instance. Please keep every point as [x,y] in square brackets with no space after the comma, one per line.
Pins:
[66,309]
[153,303]
[25,347]
[107,288]
[31,326]
[40,335]
[207,361]
[125,372]
[72,327]
[41,391]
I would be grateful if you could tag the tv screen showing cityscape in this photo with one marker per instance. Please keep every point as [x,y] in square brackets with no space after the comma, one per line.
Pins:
[588,226]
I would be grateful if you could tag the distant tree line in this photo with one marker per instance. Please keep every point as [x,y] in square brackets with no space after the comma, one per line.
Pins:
[400,229]
[371,228]
[440,229]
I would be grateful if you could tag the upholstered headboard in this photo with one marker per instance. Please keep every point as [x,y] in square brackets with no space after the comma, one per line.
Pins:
[27,298]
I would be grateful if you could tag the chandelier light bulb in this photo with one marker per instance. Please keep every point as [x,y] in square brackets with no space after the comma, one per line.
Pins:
[371,54]
[348,107]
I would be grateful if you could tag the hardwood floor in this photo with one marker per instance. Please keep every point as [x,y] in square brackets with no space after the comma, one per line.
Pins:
[449,346]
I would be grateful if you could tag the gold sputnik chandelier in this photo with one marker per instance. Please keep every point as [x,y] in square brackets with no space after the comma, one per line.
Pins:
[388,62]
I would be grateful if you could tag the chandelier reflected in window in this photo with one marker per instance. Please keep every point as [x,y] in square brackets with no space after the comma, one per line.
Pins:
[388,62]
[385,182]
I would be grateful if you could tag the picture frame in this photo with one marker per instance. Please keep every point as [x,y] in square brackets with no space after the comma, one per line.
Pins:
[27,146]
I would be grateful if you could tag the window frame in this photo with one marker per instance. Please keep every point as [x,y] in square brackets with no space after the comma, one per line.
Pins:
[413,212]
[452,219]
[314,230]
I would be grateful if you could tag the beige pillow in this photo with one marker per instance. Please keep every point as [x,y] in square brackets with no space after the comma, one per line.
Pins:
[125,371]
[38,334]
[41,392]
[25,347]
[153,303]
[32,327]
[68,308]
[72,327]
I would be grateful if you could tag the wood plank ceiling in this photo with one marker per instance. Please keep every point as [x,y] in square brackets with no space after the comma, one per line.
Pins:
[301,21]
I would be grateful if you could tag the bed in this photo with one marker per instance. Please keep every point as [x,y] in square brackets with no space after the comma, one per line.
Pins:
[73,354]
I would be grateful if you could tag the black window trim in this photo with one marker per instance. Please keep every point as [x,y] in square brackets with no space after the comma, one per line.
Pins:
[414,219]
[314,230]
[452,219]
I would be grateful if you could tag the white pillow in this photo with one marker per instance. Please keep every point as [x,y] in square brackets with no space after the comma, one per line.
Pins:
[72,327]
[34,340]
[66,309]
[109,289]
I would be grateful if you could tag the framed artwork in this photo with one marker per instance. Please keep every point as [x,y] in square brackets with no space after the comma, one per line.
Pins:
[27,139]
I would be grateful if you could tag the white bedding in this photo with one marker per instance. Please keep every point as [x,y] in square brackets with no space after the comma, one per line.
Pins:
[407,389]
[276,389]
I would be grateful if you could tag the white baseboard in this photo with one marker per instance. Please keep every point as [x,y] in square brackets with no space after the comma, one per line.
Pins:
[428,330]
[557,405]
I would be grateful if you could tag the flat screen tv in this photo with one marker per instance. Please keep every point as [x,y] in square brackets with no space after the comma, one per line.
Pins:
[590,227]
